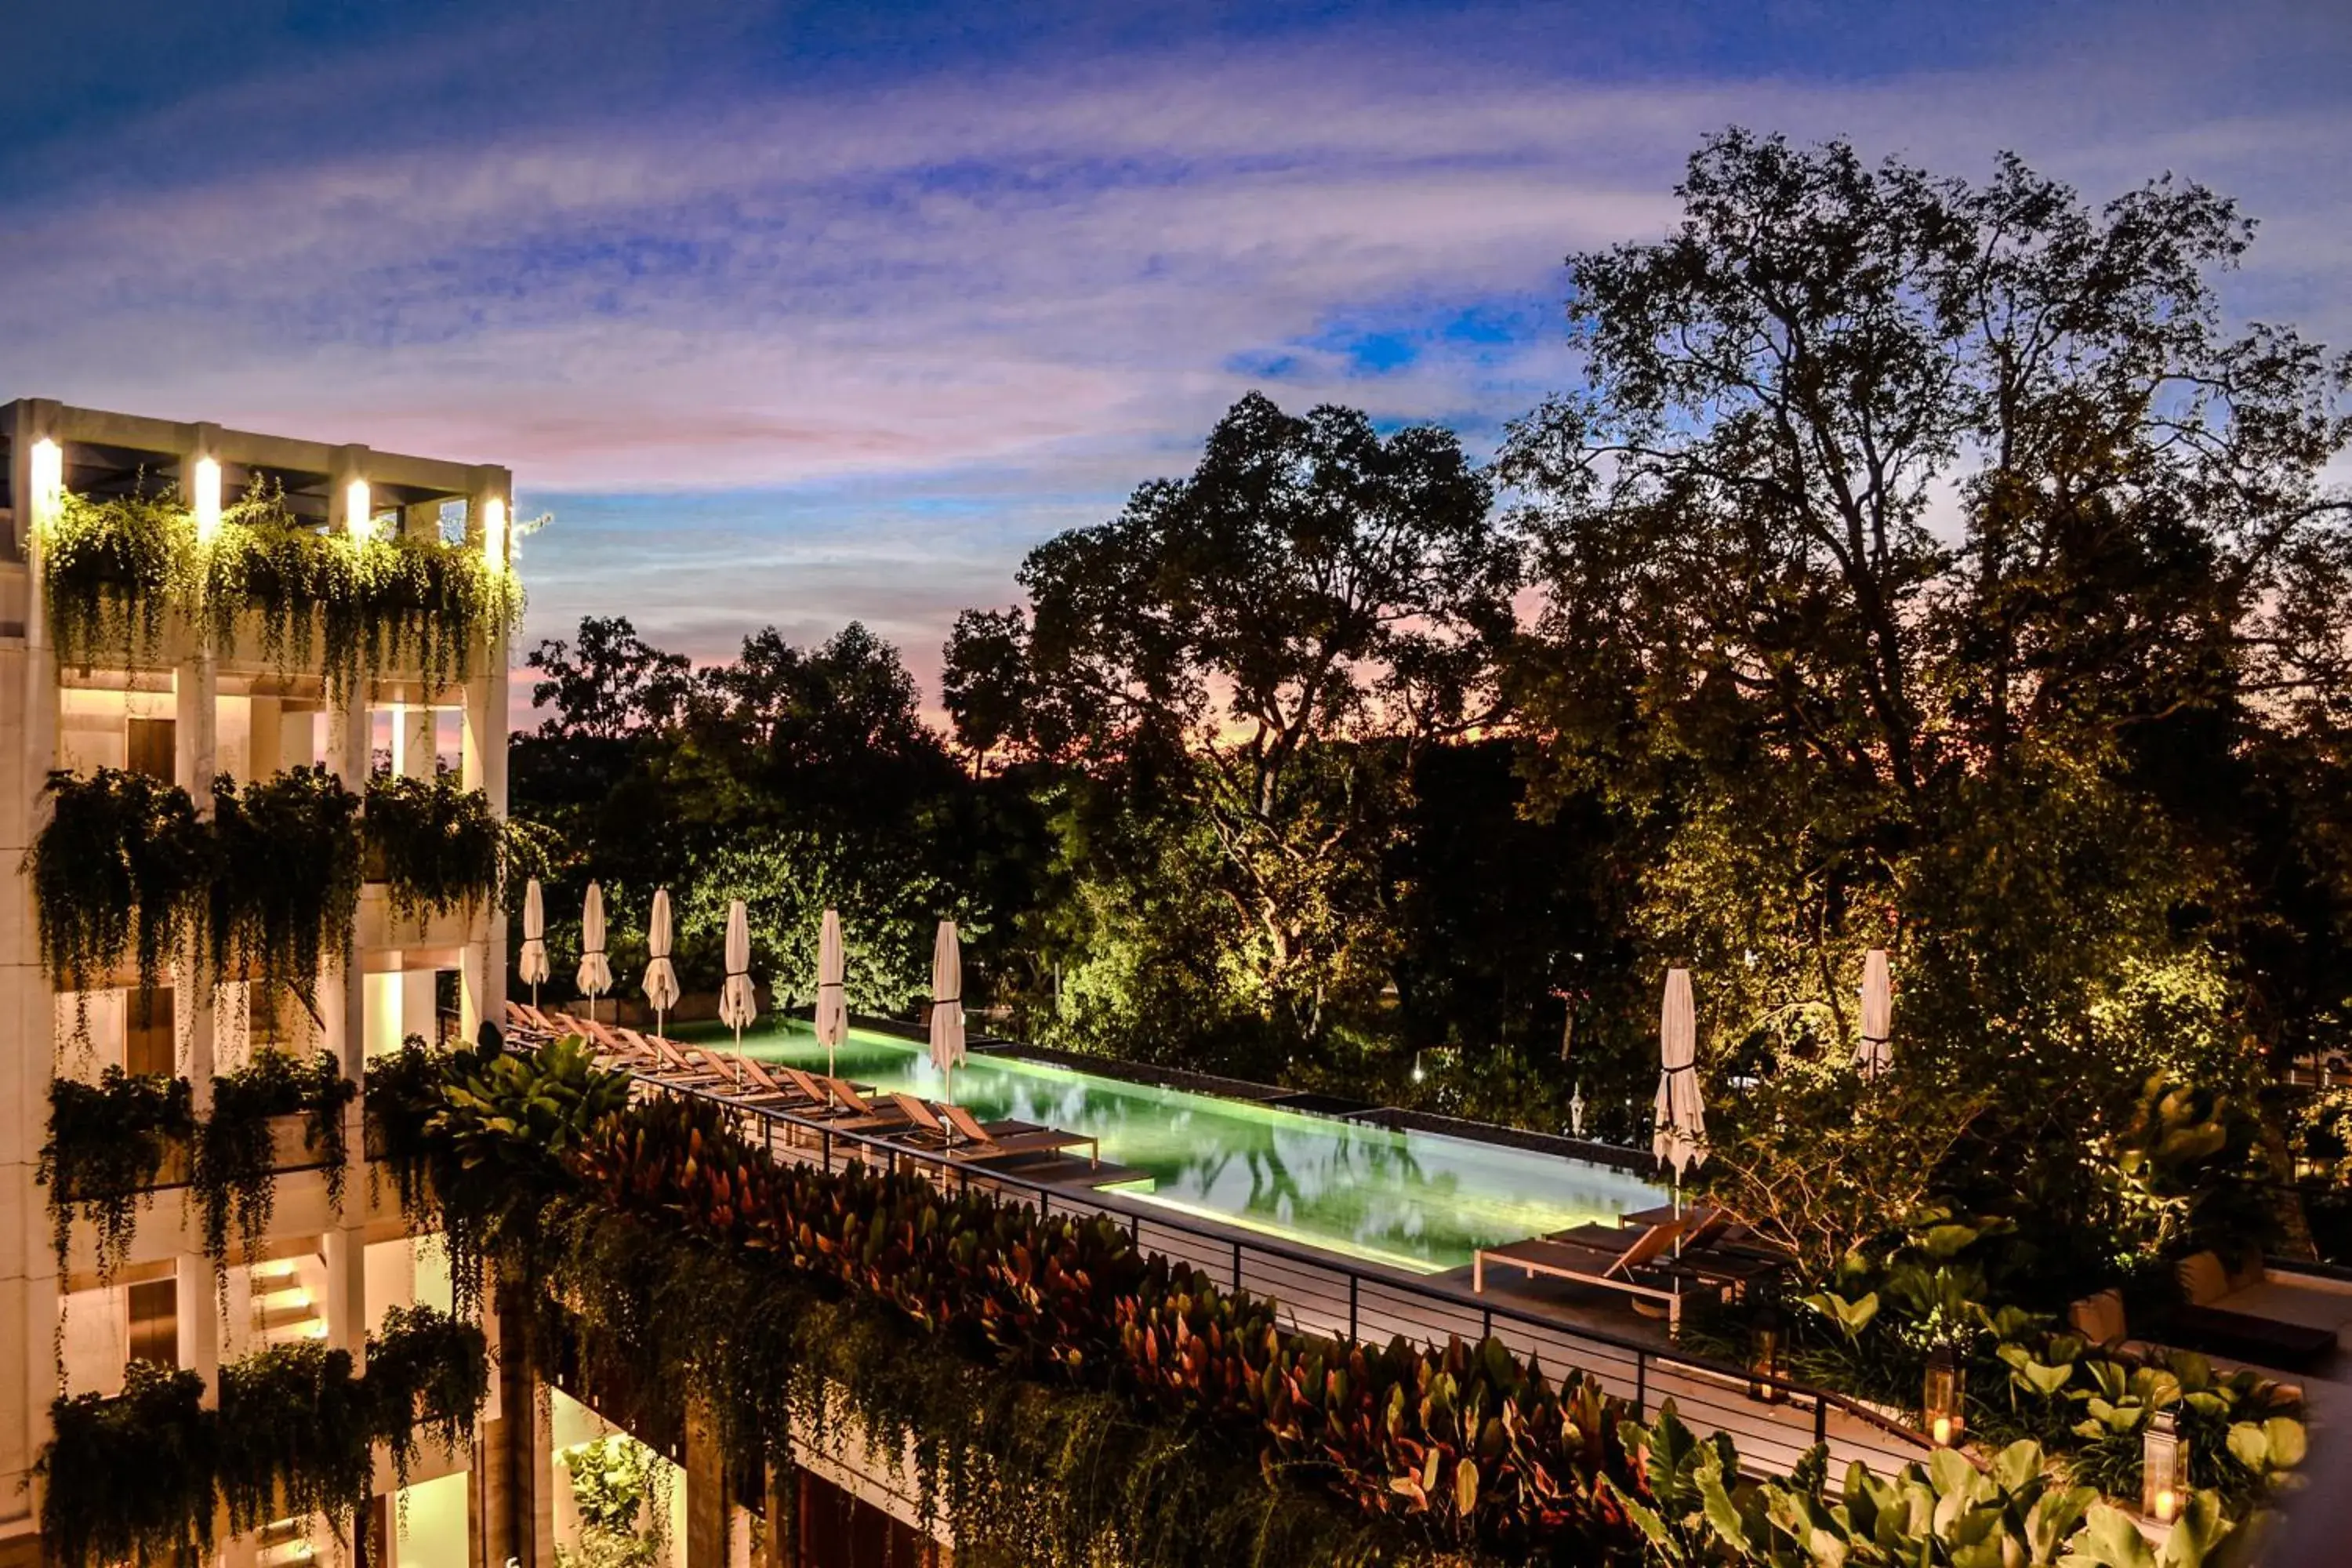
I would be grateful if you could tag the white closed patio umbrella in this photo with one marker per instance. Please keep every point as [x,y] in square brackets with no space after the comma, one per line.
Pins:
[832,989]
[596,975]
[947,1005]
[661,975]
[531,964]
[737,1004]
[1874,1054]
[1679,1135]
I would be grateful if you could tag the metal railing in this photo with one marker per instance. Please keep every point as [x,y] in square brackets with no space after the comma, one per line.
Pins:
[1772,1419]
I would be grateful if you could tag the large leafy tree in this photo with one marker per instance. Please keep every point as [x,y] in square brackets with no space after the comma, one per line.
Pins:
[1934,567]
[1248,654]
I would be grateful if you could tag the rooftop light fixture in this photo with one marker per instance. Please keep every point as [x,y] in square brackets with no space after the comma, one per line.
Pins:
[494,531]
[356,513]
[204,495]
[49,476]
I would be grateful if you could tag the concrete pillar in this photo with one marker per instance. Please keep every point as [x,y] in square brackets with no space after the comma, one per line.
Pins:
[28,727]
[344,1004]
[196,727]
[482,761]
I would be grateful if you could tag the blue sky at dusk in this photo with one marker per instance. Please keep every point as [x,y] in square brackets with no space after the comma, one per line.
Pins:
[797,314]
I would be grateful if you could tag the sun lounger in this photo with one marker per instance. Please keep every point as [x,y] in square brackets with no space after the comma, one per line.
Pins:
[1642,1270]
[851,1111]
[679,1064]
[1017,1137]
[526,1022]
[952,1131]
[755,1085]
[2252,1315]
[1712,1242]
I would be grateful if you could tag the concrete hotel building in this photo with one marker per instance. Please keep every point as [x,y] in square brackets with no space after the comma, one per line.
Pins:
[195,711]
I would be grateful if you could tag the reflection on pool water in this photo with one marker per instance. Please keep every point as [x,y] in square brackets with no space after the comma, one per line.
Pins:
[1417,1200]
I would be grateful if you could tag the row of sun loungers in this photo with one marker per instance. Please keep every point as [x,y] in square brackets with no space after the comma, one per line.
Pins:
[835,1104]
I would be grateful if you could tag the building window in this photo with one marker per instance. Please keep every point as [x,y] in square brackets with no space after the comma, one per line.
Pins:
[155,1321]
[147,1033]
[154,748]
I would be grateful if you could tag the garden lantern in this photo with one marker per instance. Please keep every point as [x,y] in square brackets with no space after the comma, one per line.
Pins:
[1941,1403]
[2163,1467]
[1764,1358]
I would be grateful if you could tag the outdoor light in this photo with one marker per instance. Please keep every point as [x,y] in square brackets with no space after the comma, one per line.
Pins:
[494,531]
[1764,1360]
[1940,1404]
[2163,1469]
[49,476]
[356,516]
[204,494]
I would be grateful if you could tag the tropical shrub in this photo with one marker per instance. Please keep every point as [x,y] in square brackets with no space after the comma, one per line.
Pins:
[475,1138]
[612,1483]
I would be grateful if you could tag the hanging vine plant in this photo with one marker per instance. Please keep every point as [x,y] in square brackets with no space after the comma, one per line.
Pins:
[107,1145]
[142,1477]
[235,1174]
[354,604]
[427,1371]
[119,871]
[295,1429]
[113,570]
[289,878]
[436,845]
[130,1478]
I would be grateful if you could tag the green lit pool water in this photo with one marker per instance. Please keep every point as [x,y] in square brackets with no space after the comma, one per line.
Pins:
[1418,1200]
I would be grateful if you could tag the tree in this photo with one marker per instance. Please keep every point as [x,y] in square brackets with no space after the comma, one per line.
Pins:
[793,778]
[1928,561]
[608,684]
[1262,645]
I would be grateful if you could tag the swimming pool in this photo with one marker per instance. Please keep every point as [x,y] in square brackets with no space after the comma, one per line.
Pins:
[1419,1201]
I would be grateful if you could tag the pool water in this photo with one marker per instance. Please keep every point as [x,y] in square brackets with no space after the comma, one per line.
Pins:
[1419,1201]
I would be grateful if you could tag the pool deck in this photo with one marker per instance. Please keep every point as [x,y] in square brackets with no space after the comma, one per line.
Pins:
[1556,1324]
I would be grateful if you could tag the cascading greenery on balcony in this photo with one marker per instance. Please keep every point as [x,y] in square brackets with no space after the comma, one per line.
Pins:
[286,879]
[119,872]
[124,869]
[234,1176]
[438,844]
[116,572]
[107,1147]
[144,1475]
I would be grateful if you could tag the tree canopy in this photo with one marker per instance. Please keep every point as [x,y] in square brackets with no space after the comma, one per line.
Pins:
[1932,567]
[1259,646]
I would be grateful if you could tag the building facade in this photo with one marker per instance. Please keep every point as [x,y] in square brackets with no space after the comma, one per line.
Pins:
[202,700]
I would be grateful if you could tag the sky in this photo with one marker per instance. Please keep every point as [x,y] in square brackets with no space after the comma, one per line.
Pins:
[797,314]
